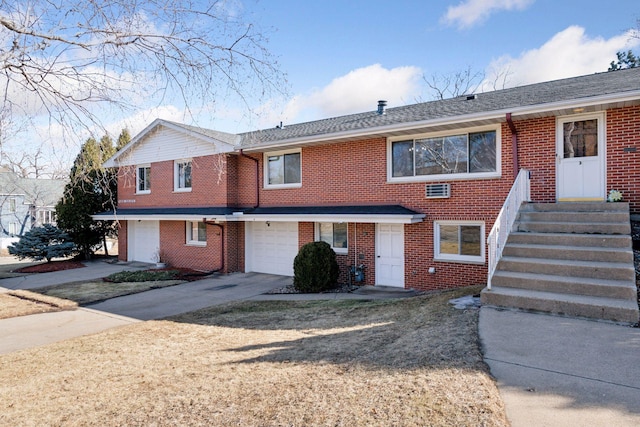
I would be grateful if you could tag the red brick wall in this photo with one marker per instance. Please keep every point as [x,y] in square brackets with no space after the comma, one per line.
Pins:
[356,173]
[176,252]
[537,153]
[623,167]
[209,185]
[329,177]
[122,241]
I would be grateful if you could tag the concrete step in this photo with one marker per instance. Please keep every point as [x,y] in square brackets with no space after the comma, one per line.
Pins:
[574,227]
[572,217]
[593,240]
[578,253]
[576,207]
[566,285]
[617,310]
[600,270]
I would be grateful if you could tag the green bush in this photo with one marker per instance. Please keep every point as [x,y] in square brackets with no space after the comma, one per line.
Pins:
[315,268]
[143,276]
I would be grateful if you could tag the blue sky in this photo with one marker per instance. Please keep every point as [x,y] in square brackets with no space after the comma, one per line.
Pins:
[341,56]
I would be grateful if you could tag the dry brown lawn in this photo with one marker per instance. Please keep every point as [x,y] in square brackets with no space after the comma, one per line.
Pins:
[91,292]
[410,362]
[24,303]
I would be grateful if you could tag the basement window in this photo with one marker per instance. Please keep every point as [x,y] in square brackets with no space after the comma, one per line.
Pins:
[196,233]
[459,241]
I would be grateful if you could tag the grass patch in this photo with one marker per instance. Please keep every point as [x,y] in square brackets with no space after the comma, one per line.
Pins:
[85,293]
[24,303]
[408,362]
[143,276]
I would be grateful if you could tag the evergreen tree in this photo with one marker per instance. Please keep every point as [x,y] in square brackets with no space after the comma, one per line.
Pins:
[44,242]
[625,60]
[91,189]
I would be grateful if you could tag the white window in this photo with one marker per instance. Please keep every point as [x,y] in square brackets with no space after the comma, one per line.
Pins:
[13,228]
[143,177]
[45,216]
[12,205]
[182,175]
[196,233]
[445,156]
[333,233]
[283,169]
[461,241]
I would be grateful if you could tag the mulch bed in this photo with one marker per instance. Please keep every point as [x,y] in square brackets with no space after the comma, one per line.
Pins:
[51,266]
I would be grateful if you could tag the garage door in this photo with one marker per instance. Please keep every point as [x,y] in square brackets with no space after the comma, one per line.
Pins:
[143,238]
[271,247]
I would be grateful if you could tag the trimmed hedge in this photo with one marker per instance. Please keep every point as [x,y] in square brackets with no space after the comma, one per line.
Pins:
[315,268]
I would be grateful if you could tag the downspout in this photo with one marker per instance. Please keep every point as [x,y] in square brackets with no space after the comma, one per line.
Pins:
[257,176]
[514,145]
[221,244]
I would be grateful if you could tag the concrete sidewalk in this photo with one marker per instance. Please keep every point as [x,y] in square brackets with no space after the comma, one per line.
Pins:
[557,371]
[95,269]
[18,333]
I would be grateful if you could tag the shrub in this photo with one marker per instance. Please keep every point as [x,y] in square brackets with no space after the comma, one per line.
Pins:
[44,242]
[143,276]
[315,268]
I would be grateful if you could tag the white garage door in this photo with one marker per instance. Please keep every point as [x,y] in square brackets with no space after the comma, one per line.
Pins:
[143,238]
[271,247]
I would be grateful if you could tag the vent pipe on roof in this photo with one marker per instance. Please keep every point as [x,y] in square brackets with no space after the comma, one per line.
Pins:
[382,107]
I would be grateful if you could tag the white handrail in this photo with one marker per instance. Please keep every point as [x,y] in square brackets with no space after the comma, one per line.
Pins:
[520,192]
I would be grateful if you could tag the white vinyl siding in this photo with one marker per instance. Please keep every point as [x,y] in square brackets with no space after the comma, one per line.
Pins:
[167,144]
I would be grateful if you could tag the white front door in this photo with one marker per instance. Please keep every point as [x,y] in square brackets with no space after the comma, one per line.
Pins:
[271,247]
[143,239]
[390,255]
[580,158]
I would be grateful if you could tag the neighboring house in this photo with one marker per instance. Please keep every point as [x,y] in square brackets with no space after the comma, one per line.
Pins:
[26,203]
[409,192]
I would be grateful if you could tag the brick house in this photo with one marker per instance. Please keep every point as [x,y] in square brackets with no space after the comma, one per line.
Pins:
[409,192]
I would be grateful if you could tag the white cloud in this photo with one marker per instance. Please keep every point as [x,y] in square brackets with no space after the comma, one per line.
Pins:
[357,91]
[471,12]
[569,53]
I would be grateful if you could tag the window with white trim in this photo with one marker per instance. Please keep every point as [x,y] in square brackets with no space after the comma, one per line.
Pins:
[443,156]
[12,205]
[13,228]
[461,241]
[182,175]
[143,179]
[335,234]
[196,233]
[283,169]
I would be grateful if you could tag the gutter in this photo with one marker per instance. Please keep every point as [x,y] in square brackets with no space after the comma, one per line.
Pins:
[221,243]
[514,145]
[241,151]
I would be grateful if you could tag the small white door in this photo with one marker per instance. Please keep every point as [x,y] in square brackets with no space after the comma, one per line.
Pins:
[271,247]
[390,255]
[580,158]
[143,239]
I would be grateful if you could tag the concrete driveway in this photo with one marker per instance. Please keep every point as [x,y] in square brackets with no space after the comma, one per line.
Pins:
[221,289]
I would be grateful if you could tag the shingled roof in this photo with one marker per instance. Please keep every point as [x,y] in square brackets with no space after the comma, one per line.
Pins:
[585,89]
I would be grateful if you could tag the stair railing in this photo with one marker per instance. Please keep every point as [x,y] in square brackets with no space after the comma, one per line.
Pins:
[520,192]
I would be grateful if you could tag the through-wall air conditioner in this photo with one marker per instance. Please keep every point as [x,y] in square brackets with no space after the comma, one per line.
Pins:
[438,191]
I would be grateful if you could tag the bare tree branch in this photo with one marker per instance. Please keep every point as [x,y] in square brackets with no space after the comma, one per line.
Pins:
[63,58]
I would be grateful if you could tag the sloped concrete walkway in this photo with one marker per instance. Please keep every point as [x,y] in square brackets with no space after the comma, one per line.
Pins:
[558,371]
